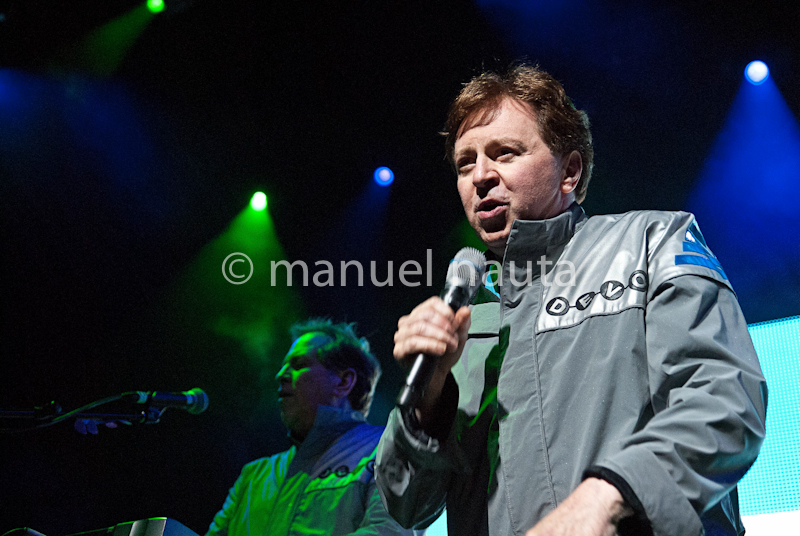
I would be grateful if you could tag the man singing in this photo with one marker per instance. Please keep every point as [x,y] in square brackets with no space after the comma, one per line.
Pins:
[603,381]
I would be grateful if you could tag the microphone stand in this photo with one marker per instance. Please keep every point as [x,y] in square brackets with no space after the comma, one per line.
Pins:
[52,413]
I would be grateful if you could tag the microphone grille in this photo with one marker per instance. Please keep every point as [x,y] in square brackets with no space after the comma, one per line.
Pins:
[200,401]
[467,268]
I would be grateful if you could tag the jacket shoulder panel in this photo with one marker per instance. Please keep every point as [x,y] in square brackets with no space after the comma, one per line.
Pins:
[616,262]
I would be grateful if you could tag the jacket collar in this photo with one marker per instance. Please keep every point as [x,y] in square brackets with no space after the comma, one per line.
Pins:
[530,239]
[329,424]
[538,235]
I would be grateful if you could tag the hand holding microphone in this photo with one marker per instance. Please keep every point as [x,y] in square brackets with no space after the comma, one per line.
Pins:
[435,332]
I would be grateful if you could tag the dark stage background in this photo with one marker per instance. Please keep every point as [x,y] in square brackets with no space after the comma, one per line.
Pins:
[128,158]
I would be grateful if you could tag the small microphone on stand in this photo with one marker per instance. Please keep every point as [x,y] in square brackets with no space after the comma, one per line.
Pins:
[194,401]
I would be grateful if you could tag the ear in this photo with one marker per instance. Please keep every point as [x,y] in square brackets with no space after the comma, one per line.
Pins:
[572,167]
[347,380]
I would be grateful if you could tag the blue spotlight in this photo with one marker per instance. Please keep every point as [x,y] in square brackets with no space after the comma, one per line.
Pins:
[747,186]
[383,176]
[756,72]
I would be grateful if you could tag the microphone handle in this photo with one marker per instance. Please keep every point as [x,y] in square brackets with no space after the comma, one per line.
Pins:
[424,366]
[417,381]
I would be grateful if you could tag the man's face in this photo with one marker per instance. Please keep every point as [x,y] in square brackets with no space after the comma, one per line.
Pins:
[304,384]
[507,172]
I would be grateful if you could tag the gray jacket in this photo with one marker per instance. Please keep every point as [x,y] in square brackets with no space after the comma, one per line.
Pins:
[629,360]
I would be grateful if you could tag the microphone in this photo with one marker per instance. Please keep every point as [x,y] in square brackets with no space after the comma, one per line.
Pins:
[464,278]
[194,401]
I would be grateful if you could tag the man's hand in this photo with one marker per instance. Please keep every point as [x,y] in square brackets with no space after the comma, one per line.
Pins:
[593,509]
[433,329]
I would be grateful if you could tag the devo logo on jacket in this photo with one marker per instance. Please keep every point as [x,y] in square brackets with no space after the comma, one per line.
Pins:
[610,290]
[340,471]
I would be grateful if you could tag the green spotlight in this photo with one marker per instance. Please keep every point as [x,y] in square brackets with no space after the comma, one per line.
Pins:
[155,6]
[259,201]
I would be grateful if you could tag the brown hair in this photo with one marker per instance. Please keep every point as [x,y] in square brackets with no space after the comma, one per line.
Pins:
[345,350]
[562,127]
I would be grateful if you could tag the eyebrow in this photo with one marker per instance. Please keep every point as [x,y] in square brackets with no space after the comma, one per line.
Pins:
[462,153]
[295,360]
[513,142]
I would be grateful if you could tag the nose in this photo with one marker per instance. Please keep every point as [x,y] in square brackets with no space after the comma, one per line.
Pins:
[484,175]
[283,374]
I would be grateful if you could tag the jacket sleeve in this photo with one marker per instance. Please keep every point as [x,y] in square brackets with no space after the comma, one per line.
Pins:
[219,526]
[708,397]
[413,469]
[377,520]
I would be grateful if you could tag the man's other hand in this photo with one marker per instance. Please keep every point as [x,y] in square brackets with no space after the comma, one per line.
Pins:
[593,509]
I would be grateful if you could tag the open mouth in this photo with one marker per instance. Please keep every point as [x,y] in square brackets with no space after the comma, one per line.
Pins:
[490,208]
